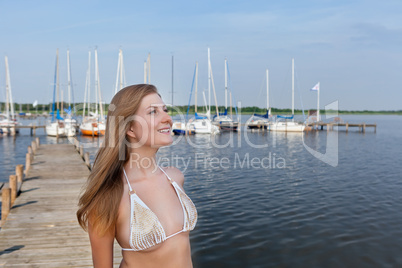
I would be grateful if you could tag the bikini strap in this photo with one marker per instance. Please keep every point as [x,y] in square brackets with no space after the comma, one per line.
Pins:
[128,182]
[166,174]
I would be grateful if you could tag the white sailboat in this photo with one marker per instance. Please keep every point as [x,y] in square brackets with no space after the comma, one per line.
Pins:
[56,127]
[258,121]
[121,75]
[202,123]
[93,124]
[223,120]
[8,121]
[288,126]
[70,122]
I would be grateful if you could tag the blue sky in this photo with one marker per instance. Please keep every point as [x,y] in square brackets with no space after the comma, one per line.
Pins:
[354,48]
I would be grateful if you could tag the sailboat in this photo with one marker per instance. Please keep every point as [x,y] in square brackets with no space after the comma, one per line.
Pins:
[180,127]
[222,120]
[93,124]
[121,75]
[202,123]
[257,121]
[55,127]
[70,122]
[8,122]
[288,126]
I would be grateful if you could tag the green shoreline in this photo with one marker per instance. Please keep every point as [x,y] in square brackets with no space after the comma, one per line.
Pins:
[183,109]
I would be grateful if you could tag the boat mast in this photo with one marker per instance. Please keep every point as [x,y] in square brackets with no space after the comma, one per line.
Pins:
[268,108]
[122,72]
[196,84]
[209,81]
[54,85]
[293,88]
[226,85]
[213,89]
[172,77]
[68,80]
[96,82]
[117,73]
[149,68]
[57,81]
[318,103]
[145,71]
[98,89]
[9,102]
[88,86]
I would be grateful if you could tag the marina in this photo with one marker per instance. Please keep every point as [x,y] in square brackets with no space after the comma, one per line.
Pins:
[278,199]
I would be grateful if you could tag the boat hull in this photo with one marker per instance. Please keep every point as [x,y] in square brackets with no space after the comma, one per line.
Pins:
[287,127]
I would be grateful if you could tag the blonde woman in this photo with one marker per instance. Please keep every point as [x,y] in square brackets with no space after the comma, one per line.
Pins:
[128,197]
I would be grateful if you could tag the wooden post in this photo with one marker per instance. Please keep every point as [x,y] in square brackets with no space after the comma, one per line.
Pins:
[13,187]
[30,153]
[86,158]
[81,151]
[34,130]
[5,203]
[328,126]
[19,171]
[364,127]
[27,163]
[347,127]
[37,142]
[33,145]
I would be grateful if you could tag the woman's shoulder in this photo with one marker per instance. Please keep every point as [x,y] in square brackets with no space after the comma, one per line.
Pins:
[175,174]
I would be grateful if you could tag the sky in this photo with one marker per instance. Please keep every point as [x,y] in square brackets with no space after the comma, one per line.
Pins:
[353,48]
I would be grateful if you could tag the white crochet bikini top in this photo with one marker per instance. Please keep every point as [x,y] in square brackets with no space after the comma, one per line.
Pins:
[145,228]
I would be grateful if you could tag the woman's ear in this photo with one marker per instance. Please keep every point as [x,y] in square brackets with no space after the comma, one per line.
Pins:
[130,132]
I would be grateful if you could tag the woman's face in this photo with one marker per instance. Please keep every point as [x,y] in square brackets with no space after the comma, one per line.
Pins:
[152,124]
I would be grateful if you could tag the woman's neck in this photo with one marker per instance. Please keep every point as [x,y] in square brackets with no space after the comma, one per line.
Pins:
[142,162]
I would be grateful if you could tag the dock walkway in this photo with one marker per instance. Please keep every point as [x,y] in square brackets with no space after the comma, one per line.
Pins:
[41,229]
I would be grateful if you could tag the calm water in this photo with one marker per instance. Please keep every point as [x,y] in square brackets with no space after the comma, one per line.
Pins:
[280,206]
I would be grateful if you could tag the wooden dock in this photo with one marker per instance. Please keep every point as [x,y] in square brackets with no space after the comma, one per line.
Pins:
[33,128]
[330,126]
[41,229]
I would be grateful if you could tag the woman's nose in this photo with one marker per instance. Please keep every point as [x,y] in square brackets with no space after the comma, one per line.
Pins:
[167,118]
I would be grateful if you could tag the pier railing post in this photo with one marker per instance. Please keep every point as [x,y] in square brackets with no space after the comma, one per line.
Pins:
[37,141]
[13,187]
[81,151]
[19,171]
[86,158]
[5,203]
[30,151]
[27,163]
[33,145]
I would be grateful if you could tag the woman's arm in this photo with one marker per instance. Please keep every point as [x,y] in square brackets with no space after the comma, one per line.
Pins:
[102,247]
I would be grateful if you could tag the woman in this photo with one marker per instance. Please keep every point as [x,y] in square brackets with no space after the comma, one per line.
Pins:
[130,198]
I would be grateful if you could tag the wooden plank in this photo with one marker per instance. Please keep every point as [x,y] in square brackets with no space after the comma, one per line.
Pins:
[41,229]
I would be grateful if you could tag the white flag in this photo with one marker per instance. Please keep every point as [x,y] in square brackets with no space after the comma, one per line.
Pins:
[35,103]
[316,87]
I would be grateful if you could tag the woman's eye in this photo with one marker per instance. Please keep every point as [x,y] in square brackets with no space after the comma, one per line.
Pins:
[166,110]
[152,112]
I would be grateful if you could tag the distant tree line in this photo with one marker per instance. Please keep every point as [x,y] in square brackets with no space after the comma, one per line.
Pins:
[41,108]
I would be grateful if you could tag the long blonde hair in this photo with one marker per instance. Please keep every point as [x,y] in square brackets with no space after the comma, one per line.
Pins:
[103,190]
